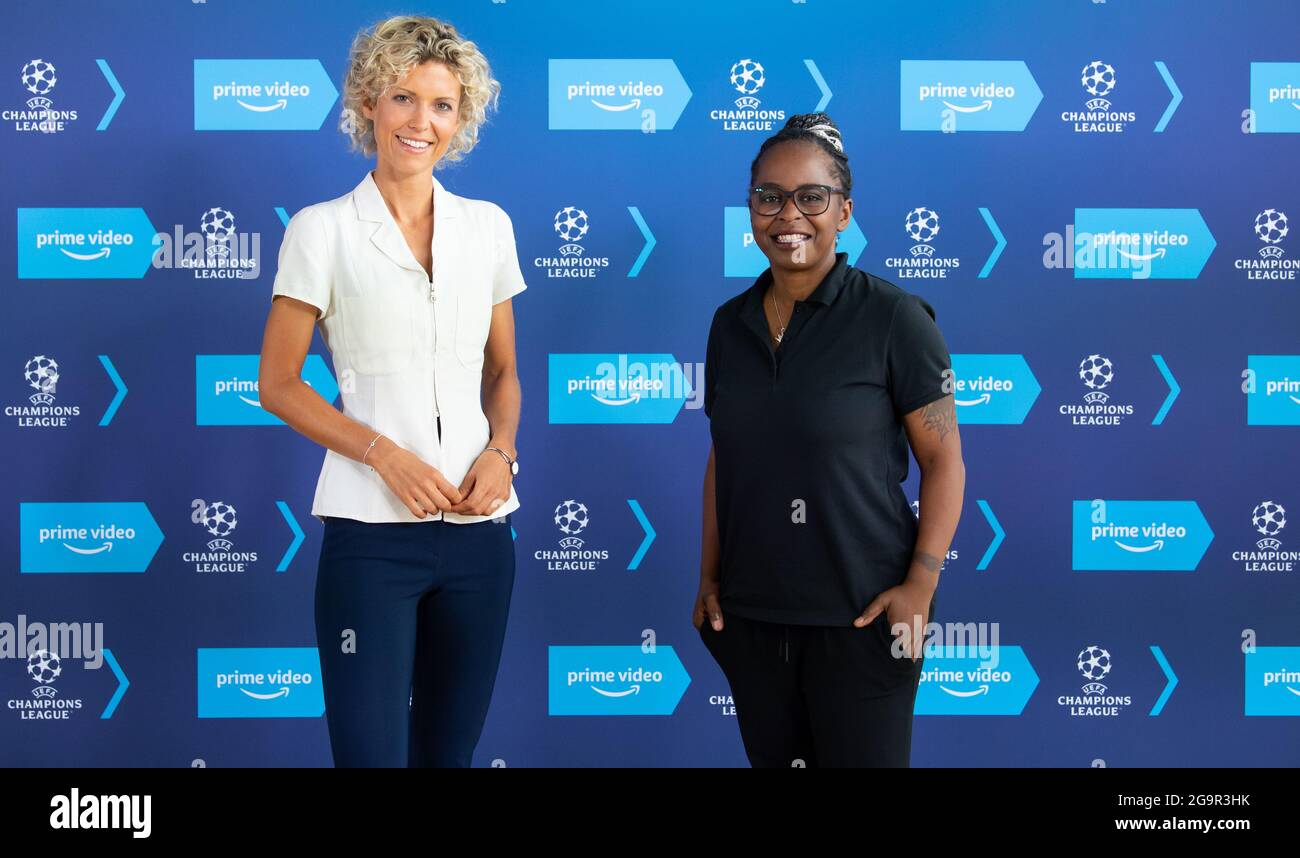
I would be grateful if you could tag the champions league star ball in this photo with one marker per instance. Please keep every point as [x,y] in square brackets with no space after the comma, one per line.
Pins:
[1269,518]
[571,517]
[1270,226]
[922,224]
[38,77]
[747,77]
[1096,371]
[217,224]
[42,373]
[571,223]
[44,666]
[1098,78]
[1094,663]
[219,518]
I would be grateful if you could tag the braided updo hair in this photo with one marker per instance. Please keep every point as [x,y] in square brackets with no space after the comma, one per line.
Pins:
[820,130]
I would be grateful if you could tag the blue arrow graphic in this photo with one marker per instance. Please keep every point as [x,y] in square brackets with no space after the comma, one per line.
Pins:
[649,534]
[649,241]
[118,95]
[1174,390]
[117,383]
[298,536]
[122,685]
[821,84]
[1177,96]
[998,535]
[997,234]
[1171,680]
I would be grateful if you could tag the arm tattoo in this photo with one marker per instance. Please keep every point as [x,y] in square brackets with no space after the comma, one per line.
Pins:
[940,416]
[929,561]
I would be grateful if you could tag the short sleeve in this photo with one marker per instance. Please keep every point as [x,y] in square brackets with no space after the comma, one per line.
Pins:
[507,279]
[303,270]
[711,365]
[916,356]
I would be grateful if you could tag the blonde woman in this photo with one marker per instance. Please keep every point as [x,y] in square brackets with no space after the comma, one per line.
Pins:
[410,285]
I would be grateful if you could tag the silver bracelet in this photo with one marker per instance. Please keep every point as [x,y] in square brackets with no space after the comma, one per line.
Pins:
[368,449]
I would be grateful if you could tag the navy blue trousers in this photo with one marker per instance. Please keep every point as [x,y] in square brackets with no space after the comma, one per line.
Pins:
[410,621]
[817,696]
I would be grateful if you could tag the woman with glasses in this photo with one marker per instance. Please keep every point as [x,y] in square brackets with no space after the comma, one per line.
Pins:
[816,578]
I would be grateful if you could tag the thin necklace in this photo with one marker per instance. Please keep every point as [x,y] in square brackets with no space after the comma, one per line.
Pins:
[781,333]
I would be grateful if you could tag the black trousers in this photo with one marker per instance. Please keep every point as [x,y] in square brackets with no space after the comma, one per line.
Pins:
[817,696]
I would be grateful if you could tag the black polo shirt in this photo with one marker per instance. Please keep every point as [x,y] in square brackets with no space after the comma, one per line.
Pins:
[813,430]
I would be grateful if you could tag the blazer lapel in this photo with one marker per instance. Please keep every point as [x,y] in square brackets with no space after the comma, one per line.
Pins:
[387,235]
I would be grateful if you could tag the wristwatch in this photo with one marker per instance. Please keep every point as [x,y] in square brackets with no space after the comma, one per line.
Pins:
[513,463]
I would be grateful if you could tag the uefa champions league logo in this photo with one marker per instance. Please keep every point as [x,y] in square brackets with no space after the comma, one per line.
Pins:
[1268,518]
[219,519]
[921,225]
[571,225]
[1271,228]
[42,373]
[44,667]
[217,226]
[747,77]
[1098,80]
[571,518]
[39,78]
[1094,665]
[1096,372]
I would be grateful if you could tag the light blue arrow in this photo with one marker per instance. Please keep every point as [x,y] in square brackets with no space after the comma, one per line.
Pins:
[649,241]
[1174,91]
[282,215]
[998,535]
[997,234]
[821,84]
[298,536]
[649,534]
[122,685]
[117,383]
[1174,390]
[1170,680]
[118,95]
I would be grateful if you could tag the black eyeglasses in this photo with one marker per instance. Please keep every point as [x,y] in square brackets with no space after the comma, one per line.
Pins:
[768,200]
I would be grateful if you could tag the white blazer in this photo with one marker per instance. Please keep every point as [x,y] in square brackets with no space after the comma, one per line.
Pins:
[405,350]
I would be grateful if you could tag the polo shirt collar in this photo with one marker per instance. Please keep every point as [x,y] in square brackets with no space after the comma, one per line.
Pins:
[825,293]
[387,237]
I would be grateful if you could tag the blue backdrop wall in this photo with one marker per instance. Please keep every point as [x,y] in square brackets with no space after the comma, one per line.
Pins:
[1110,183]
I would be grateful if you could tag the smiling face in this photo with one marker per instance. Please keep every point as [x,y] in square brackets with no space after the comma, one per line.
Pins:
[790,239]
[415,119]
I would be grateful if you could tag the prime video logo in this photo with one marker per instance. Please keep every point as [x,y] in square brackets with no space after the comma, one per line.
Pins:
[226,389]
[1134,244]
[622,388]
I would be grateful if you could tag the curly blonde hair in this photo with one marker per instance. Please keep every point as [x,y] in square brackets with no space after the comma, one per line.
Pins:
[382,54]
